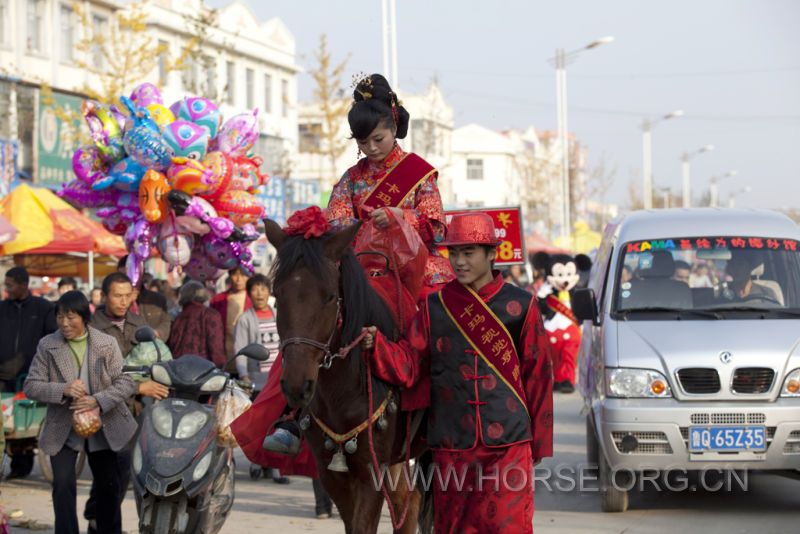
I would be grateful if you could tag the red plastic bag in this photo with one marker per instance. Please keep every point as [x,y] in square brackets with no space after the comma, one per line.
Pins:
[401,244]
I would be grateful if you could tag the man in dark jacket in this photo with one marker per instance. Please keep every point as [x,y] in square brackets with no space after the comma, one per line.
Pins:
[150,305]
[24,320]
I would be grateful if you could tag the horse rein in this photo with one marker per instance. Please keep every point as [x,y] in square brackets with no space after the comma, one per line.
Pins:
[328,357]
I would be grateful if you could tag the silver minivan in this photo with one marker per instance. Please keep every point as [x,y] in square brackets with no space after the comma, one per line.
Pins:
[691,361]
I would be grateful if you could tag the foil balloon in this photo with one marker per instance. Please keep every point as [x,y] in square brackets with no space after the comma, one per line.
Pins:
[139,241]
[238,134]
[186,139]
[125,175]
[187,175]
[81,195]
[143,141]
[153,197]
[161,115]
[240,207]
[114,225]
[174,244]
[146,94]
[188,206]
[227,254]
[201,111]
[104,130]
[199,268]
[247,175]
[192,225]
[87,163]
[218,174]
[120,117]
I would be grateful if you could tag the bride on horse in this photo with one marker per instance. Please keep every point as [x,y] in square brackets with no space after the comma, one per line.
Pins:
[387,184]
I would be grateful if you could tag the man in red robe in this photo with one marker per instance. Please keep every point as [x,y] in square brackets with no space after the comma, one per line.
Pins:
[480,346]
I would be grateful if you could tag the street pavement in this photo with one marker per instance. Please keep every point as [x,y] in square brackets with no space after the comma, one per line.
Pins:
[771,504]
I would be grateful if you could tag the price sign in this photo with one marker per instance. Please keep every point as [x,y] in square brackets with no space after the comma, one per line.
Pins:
[507,228]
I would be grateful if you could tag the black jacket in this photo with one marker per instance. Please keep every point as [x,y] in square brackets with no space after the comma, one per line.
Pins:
[22,324]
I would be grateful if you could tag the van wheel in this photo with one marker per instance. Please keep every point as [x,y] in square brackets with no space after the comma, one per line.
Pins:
[592,445]
[613,499]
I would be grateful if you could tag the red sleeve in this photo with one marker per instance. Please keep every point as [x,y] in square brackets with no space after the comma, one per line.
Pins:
[537,379]
[403,363]
[340,210]
[215,338]
[427,216]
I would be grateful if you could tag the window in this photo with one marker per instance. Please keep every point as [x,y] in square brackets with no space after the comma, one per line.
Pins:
[230,74]
[35,17]
[475,204]
[210,65]
[474,169]
[100,27]
[67,33]
[310,137]
[285,98]
[163,47]
[267,93]
[190,77]
[250,80]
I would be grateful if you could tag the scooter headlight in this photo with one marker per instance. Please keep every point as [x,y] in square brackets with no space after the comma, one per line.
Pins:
[162,421]
[137,459]
[190,424]
[791,385]
[160,374]
[636,383]
[202,467]
[215,383]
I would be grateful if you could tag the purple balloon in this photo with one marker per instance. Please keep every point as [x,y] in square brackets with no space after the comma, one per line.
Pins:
[146,94]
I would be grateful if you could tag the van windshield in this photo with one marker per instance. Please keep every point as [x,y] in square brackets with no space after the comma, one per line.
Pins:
[720,276]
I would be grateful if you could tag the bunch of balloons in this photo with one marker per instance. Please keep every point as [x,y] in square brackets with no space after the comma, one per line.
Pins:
[174,181]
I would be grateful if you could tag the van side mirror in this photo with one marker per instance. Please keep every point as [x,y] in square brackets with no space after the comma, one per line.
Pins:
[584,305]
[255,351]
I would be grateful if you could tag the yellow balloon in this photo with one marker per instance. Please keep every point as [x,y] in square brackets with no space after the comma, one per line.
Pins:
[161,115]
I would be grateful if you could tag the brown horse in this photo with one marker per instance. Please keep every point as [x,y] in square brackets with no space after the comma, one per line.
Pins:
[324,301]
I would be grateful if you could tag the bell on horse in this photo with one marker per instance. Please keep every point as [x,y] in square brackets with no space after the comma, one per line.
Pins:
[383,424]
[305,423]
[351,446]
[338,463]
[329,444]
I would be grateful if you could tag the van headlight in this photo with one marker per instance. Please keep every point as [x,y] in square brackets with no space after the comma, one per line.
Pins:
[190,424]
[636,383]
[791,385]
[137,459]
[162,421]
[215,383]
[160,374]
[202,467]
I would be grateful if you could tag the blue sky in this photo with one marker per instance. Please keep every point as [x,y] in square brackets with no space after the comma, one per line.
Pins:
[732,66]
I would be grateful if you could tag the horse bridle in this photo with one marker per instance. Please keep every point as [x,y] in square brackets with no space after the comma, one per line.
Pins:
[328,357]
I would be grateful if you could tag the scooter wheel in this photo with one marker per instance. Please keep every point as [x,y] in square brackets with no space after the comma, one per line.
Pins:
[255,471]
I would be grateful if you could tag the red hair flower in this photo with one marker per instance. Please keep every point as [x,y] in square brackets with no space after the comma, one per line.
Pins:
[310,222]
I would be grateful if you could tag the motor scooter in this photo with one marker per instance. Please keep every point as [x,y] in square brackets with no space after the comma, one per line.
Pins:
[183,479]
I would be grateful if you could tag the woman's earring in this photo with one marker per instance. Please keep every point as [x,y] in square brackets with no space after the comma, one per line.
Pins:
[358,153]
[395,143]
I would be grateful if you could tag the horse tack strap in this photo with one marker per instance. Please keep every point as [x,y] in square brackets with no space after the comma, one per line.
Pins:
[341,438]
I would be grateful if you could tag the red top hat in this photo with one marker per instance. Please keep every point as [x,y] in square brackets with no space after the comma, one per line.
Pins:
[470,229]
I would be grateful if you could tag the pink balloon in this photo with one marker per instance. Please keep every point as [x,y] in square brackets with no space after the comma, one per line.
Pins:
[81,195]
[199,268]
[238,134]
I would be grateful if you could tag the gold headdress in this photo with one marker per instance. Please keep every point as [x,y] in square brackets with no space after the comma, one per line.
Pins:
[361,83]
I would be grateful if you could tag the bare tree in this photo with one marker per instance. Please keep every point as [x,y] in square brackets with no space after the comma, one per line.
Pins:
[329,94]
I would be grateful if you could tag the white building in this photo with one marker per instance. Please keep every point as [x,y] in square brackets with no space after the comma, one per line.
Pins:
[484,169]
[245,64]
[429,135]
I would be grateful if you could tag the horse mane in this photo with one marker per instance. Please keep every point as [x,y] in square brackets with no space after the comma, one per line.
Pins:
[362,306]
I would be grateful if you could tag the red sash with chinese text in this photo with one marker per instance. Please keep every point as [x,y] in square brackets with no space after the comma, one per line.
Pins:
[559,307]
[485,332]
[398,182]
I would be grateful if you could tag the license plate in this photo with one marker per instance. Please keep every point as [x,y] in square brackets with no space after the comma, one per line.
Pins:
[727,438]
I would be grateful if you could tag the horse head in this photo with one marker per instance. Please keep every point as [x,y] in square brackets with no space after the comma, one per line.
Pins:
[308,291]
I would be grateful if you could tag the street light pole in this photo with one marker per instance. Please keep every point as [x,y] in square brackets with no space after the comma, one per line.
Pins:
[687,181]
[714,188]
[559,61]
[647,155]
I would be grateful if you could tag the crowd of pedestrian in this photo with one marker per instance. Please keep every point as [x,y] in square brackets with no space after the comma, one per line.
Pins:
[69,354]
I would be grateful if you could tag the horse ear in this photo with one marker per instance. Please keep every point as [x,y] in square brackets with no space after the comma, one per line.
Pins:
[338,242]
[275,234]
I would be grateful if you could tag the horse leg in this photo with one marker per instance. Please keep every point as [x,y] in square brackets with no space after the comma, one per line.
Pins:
[368,505]
[340,488]
[402,491]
